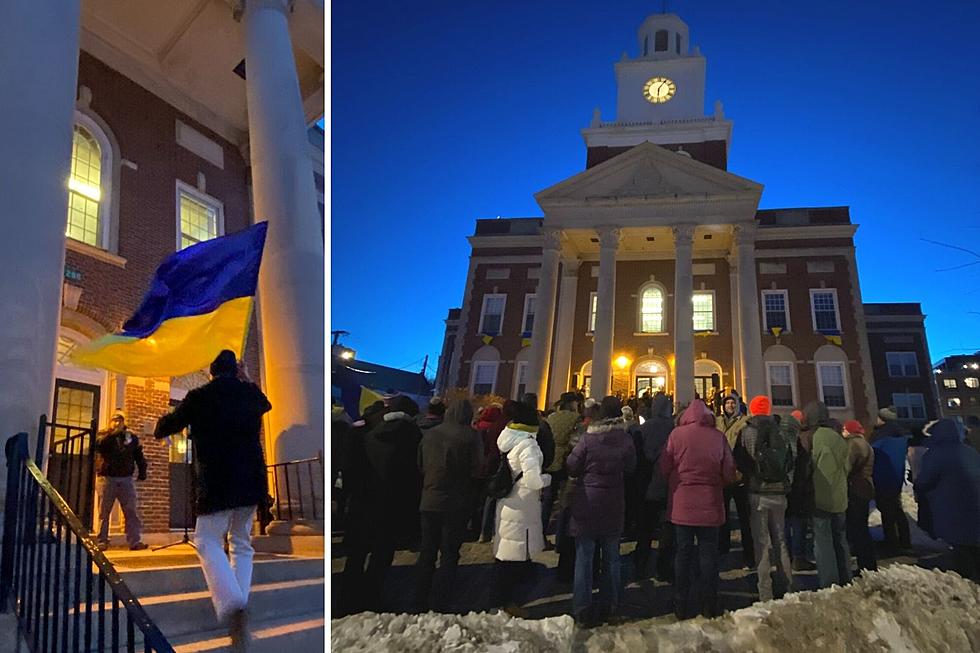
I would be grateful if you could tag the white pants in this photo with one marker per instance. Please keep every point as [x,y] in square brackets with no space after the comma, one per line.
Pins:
[228,581]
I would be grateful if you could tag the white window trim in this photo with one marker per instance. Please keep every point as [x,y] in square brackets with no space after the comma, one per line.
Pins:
[593,301]
[922,403]
[847,385]
[483,311]
[517,378]
[813,311]
[527,299]
[765,321]
[639,308]
[714,311]
[203,198]
[107,197]
[903,375]
[496,372]
[792,381]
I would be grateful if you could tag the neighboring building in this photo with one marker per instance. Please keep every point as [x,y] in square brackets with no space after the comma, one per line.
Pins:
[655,268]
[900,360]
[958,380]
[349,376]
[163,154]
[448,347]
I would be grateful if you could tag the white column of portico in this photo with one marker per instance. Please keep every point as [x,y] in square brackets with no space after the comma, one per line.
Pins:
[561,363]
[605,311]
[544,316]
[736,380]
[683,314]
[291,277]
[38,78]
[750,326]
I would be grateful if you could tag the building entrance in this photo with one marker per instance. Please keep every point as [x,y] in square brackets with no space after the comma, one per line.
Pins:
[649,375]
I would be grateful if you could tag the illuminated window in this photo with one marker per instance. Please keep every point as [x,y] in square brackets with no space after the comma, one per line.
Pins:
[593,306]
[85,189]
[200,217]
[492,317]
[833,392]
[909,405]
[950,383]
[902,363]
[953,402]
[704,310]
[652,309]
[972,382]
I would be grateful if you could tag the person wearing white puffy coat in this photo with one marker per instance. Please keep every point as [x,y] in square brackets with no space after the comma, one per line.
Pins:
[518,535]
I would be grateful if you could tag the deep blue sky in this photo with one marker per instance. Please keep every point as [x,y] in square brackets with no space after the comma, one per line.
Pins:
[445,112]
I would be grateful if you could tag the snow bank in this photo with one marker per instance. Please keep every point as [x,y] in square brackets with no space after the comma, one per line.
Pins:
[901,608]
[484,632]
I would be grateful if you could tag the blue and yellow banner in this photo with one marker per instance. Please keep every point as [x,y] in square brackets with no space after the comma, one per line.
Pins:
[199,302]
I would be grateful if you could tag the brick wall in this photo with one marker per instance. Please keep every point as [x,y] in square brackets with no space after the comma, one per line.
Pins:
[147,400]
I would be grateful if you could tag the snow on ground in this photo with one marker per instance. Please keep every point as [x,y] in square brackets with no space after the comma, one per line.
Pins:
[900,609]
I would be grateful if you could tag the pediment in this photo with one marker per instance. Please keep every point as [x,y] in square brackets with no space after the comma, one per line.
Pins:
[647,172]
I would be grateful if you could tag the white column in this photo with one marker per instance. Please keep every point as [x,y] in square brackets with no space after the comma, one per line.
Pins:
[291,277]
[561,362]
[39,76]
[683,314]
[605,311]
[544,316]
[748,311]
[735,381]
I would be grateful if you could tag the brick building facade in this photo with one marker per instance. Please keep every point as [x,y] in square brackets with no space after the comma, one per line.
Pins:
[656,268]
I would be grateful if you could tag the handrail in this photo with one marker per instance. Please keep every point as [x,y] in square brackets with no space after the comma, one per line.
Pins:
[38,513]
[289,506]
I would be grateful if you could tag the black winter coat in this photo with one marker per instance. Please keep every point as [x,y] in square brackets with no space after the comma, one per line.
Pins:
[656,432]
[391,488]
[450,457]
[117,456]
[225,418]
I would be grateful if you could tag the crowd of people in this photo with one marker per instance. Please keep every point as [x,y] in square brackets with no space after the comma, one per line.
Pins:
[588,475]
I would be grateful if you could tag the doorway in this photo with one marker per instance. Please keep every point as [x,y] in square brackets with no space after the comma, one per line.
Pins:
[650,375]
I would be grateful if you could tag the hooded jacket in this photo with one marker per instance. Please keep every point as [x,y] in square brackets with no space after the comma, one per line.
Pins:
[489,426]
[518,534]
[562,423]
[450,457]
[788,429]
[949,482]
[891,445]
[698,464]
[655,432]
[831,465]
[393,482]
[601,460]
[860,482]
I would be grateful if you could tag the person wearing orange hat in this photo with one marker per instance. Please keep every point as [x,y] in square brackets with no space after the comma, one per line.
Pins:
[766,461]
[860,492]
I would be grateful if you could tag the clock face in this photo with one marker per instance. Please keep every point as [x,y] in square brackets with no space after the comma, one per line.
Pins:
[659,90]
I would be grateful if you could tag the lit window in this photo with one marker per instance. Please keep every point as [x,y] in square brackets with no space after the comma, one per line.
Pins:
[85,189]
[909,405]
[824,305]
[950,383]
[953,402]
[484,377]
[832,390]
[528,321]
[972,382]
[780,383]
[775,303]
[492,317]
[902,363]
[652,310]
[200,217]
[521,380]
[704,310]
[593,306]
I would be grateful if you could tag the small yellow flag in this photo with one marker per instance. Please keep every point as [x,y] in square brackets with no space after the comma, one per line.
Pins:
[776,331]
[487,340]
[834,339]
[525,342]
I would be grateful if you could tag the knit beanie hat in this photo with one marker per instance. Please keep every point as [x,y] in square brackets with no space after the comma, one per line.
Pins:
[853,426]
[760,405]
[798,414]
[888,414]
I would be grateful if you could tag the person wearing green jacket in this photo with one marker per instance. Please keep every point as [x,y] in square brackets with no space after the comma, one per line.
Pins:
[831,466]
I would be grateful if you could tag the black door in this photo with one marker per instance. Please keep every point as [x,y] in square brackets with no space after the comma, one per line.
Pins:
[75,410]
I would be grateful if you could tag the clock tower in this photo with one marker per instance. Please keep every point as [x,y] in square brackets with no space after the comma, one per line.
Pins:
[660,98]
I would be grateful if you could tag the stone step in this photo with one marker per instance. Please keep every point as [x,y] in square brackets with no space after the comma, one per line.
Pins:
[299,634]
[190,578]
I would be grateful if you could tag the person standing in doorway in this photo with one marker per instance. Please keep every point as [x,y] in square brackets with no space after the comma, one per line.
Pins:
[119,454]
[230,482]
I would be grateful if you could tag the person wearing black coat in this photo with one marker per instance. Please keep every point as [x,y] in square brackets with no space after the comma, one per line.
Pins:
[230,481]
[654,433]
[383,506]
[449,457]
[118,455]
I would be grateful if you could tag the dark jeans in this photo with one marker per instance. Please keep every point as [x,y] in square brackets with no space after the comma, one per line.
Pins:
[123,489]
[372,541]
[858,535]
[508,575]
[442,534]
[548,496]
[967,561]
[609,585]
[893,520]
[830,547]
[696,584]
[800,548]
[740,494]
[650,522]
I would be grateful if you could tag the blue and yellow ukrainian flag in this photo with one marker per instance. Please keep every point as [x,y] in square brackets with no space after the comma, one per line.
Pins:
[200,302]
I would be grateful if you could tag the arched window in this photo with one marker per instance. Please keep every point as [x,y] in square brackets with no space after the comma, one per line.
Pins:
[660,40]
[92,182]
[781,376]
[651,305]
[521,362]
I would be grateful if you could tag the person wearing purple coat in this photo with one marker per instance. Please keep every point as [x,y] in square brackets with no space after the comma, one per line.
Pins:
[600,461]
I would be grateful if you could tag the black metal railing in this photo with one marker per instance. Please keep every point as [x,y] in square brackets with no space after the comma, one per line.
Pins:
[65,593]
[71,464]
[297,488]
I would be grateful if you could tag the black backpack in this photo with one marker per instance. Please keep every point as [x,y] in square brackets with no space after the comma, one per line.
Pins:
[501,484]
[774,457]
